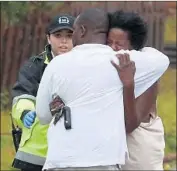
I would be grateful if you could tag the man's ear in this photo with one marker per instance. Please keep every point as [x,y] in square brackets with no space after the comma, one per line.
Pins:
[48,38]
[83,30]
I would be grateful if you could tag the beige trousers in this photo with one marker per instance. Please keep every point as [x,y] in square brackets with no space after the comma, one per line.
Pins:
[106,168]
[146,146]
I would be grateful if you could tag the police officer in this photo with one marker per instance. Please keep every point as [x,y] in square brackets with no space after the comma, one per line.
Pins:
[33,145]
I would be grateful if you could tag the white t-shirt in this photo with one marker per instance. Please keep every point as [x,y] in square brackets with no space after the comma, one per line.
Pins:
[88,83]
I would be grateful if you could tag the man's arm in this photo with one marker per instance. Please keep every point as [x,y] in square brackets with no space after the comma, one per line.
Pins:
[135,110]
[135,114]
[49,86]
[44,95]
[150,66]
[148,72]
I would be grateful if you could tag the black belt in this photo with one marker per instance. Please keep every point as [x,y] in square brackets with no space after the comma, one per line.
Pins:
[26,166]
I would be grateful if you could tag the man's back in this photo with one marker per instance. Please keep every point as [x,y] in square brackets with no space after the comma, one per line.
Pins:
[96,103]
[86,76]
[86,81]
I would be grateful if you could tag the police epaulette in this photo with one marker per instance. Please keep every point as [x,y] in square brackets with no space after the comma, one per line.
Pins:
[40,56]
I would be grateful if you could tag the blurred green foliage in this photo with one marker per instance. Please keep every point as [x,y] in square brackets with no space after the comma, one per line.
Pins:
[5,100]
[14,11]
[170,30]
[167,108]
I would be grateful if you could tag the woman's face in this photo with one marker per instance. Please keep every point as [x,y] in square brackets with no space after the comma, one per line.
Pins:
[60,41]
[118,39]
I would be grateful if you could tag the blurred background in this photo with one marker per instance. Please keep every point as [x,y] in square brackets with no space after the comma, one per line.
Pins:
[23,35]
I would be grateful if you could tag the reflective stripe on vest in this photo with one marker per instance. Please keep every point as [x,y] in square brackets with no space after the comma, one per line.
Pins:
[46,60]
[24,96]
[30,158]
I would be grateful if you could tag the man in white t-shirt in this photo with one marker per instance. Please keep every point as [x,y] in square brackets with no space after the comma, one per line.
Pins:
[88,84]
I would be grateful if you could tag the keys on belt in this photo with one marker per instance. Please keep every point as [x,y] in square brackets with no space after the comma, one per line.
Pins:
[58,115]
[59,110]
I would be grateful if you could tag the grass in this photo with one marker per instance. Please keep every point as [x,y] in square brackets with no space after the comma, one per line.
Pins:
[167,108]
[7,152]
[170,30]
[7,148]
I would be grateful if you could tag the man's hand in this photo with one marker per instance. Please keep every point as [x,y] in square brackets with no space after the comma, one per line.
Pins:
[29,119]
[56,104]
[126,69]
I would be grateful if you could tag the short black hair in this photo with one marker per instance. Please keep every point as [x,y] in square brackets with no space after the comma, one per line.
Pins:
[95,18]
[133,24]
